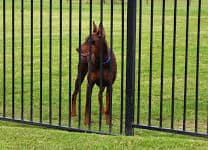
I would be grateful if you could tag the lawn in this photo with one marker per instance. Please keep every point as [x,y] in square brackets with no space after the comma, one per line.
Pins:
[180,55]
[24,137]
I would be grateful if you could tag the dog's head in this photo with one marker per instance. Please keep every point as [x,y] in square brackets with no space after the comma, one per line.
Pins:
[97,42]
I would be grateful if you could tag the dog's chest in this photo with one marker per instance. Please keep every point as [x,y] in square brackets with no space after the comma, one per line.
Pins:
[96,76]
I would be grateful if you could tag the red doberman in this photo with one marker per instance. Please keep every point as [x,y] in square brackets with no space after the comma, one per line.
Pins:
[98,45]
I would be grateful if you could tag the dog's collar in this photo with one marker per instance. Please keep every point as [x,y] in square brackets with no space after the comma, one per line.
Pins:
[109,58]
[107,61]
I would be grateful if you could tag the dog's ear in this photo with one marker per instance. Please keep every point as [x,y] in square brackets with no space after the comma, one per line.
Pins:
[101,30]
[95,29]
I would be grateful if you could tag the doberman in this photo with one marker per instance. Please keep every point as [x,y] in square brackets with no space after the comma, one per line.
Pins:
[99,52]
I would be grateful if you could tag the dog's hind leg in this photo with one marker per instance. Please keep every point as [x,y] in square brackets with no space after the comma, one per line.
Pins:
[80,77]
[107,113]
[100,100]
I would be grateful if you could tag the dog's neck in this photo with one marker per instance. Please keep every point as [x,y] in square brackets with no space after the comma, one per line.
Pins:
[105,50]
[104,57]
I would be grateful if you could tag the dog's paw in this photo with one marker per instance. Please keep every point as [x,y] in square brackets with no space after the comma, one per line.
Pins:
[103,111]
[107,119]
[73,114]
[86,122]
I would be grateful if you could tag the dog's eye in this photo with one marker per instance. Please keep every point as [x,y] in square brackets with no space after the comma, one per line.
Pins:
[99,36]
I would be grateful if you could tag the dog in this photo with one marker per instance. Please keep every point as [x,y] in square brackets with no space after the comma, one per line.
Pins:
[98,45]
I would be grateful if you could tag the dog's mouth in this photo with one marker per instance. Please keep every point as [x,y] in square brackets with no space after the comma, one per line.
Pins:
[84,54]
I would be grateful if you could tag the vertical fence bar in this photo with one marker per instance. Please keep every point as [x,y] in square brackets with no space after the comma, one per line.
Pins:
[101,69]
[186,66]
[22,59]
[150,73]
[41,59]
[139,61]
[79,69]
[13,61]
[173,65]
[31,62]
[162,63]
[50,62]
[4,58]
[111,74]
[89,64]
[122,66]
[197,66]
[60,65]
[130,66]
[70,58]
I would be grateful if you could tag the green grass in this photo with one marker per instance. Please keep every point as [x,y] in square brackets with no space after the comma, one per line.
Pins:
[180,55]
[20,138]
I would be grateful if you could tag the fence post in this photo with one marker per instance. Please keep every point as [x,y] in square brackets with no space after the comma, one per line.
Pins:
[130,66]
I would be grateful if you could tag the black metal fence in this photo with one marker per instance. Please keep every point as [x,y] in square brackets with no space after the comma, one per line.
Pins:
[184,110]
[44,69]
[165,65]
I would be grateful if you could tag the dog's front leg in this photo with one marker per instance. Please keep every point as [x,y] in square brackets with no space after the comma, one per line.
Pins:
[82,71]
[100,100]
[88,102]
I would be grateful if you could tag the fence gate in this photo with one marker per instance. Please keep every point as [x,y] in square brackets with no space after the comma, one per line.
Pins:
[43,62]
[55,51]
[170,86]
